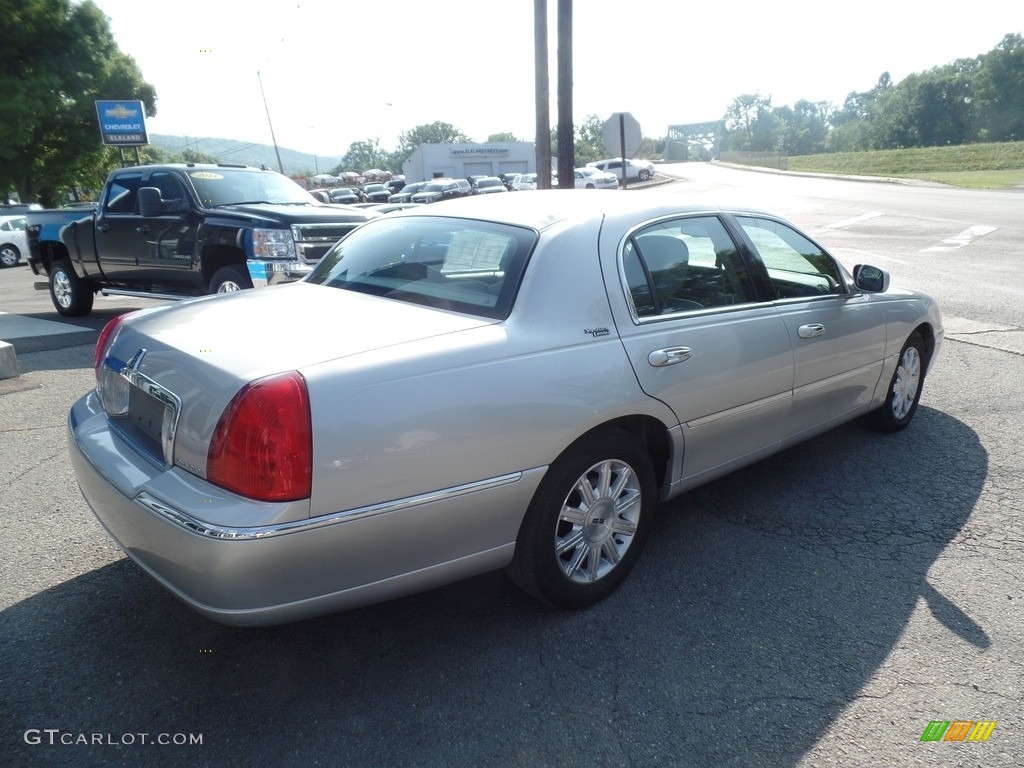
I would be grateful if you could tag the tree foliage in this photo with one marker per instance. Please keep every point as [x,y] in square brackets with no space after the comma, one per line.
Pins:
[966,101]
[59,58]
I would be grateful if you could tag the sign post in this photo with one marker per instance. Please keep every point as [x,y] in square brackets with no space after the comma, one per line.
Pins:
[622,136]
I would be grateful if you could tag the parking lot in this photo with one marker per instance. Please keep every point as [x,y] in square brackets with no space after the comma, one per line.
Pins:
[821,607]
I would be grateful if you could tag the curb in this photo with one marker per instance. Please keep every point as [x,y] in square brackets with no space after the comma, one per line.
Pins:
[8,361]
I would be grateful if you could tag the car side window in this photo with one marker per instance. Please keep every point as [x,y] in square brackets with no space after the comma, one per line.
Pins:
[169,185]
[122,193]
[797,267]
[684,265]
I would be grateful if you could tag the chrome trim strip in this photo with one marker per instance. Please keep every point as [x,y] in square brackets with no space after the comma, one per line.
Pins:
[213,531]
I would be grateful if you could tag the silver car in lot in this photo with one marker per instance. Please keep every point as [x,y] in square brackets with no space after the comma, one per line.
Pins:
[492,383]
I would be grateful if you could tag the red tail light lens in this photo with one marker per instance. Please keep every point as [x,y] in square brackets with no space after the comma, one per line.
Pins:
[104,341]
[262,447]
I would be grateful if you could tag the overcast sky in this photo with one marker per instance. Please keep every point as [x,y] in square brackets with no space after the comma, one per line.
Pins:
[339,71]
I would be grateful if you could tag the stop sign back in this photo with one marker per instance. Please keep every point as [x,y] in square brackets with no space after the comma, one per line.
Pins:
[619,126]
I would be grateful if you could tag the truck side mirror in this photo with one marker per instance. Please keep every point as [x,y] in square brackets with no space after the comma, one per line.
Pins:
[149,202]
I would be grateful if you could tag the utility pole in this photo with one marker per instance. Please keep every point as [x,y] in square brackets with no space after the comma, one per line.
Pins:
[542,95]
[566,132]
[280,165]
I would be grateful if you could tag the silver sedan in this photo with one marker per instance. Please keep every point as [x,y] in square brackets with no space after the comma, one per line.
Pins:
[492,383]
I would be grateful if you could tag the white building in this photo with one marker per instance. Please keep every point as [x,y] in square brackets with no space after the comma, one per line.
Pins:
[460,161]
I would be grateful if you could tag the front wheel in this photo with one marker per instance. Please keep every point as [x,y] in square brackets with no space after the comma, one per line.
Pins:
[587,523]
[904,391]
[9,255]
[230,279]
[644,175]
[71,295]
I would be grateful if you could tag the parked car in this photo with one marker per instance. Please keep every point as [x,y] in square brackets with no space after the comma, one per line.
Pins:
[376,193]
[487,185]
[347,195]
[512,383]
[13,242]
[404,195]
[524,181]
[320,195]
[507,179]
[591,178]
[436,190]
[636,170]
[395,185]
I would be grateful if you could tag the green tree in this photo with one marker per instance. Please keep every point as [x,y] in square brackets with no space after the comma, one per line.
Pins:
[433,133]
[999,92]
[363,155]
[750,123]
[59,58]
[502,137]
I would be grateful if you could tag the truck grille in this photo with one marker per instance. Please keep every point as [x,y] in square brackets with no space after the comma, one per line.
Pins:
[313,240]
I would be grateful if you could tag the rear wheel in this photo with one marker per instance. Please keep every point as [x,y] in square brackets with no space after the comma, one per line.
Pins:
[587,523]
[230,279]
[644,174]
[9,255]
[904,391]
[71,295]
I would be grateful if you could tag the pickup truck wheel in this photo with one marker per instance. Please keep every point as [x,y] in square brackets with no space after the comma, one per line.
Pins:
[587,523]
[230,279]
[71,295]
[9,255]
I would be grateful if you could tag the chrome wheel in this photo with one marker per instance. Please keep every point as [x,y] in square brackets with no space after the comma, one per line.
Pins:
[598,521]
[9,256]
[62,291]
[228,286]
[907,383]
[587,523]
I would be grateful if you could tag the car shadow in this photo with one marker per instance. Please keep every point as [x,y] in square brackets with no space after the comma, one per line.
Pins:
[764,603]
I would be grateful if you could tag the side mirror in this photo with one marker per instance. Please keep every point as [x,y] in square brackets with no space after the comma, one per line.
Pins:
[870,279]
[149,202]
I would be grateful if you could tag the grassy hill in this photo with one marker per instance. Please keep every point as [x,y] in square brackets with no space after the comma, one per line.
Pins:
[247,153]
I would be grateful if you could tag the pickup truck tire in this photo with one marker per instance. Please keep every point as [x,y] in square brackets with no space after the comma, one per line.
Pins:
[71,295]
[230,279]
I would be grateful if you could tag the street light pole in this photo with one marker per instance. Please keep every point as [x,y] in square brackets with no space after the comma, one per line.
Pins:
[280,165]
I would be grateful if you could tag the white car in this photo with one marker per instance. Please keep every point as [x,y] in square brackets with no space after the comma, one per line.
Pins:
[524,181]
[592,178]
[13,242]
[636,170]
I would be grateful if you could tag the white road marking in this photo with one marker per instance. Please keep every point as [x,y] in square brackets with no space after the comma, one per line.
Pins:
[848,222]
[959,241]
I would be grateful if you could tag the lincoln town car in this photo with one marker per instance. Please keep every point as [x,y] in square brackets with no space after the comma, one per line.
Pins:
[500,382]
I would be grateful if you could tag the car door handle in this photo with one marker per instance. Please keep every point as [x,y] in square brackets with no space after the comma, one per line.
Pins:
[103,227]
[142,230]
[659,358]
[810,330]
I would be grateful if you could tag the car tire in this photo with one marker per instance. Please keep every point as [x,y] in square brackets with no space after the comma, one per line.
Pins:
[9,255]
[644,174]
[71,295]
[904,392]
[587,523]
[230,279]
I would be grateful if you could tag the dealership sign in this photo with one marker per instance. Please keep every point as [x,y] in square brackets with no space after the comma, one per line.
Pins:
[122,123]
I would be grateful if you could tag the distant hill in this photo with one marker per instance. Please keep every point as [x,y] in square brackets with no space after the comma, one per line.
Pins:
[247,153]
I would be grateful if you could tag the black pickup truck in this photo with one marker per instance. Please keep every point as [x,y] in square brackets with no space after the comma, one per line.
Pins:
[175,231]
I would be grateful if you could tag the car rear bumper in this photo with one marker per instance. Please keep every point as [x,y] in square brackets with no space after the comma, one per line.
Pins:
[279,568]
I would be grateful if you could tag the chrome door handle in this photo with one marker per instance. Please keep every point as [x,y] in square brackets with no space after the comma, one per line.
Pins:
[810,330]
[143,229]
[659,358]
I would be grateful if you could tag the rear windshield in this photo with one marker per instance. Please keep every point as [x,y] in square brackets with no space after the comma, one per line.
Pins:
[461,265]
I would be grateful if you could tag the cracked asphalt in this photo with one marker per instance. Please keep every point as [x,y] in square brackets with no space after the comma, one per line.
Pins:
[819,608]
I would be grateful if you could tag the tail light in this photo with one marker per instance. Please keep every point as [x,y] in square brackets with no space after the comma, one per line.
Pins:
[104,341]
[262,447]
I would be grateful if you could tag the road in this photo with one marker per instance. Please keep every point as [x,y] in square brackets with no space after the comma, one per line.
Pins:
[818,608]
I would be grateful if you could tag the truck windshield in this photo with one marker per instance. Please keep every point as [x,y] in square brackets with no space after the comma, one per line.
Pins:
[233,186]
